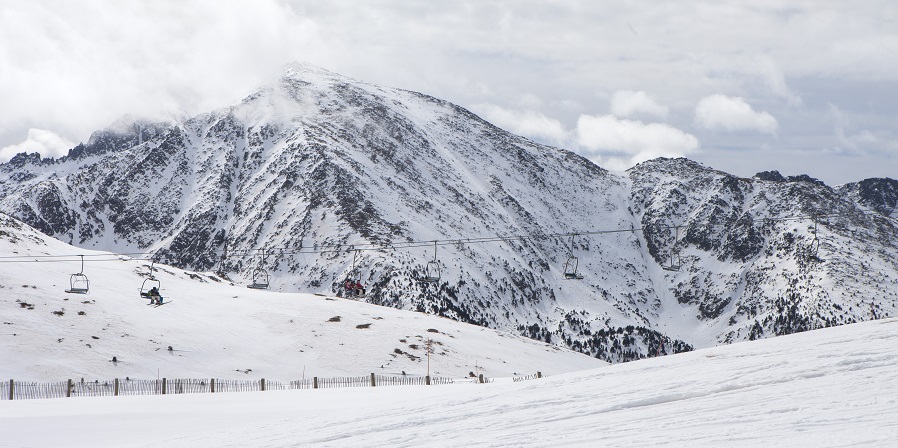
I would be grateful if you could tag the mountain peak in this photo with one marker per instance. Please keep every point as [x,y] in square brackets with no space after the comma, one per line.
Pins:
[310,74]
[335,178]
[301,69]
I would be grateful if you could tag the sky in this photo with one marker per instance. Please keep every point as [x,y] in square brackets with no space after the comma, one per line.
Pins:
[803,87]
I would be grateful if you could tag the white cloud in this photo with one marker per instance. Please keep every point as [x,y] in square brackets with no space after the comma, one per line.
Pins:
[74,67]
[720,112]
[858,142]
[528,123]
[41,141]
[611,142]
[606,137]
[627,103]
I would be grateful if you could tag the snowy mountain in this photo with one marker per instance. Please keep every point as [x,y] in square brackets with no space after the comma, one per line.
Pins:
[210,328]
[316,175]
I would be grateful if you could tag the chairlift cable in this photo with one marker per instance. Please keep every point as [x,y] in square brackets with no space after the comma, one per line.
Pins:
[402,244]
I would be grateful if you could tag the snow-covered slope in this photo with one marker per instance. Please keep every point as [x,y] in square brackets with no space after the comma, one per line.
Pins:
[216,329]
[326,173]
[834,387]
[767,255]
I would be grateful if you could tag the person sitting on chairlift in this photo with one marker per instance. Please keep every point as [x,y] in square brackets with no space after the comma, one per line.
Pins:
[359,289]
[348,287]
[155,297]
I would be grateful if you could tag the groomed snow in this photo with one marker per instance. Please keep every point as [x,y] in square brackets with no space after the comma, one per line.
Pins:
[830,387]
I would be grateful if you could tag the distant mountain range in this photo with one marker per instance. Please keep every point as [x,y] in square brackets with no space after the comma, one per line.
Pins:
[328,174]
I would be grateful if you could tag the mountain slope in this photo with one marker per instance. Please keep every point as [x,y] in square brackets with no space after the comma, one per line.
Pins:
[765,257]
[329,174]
[211,328]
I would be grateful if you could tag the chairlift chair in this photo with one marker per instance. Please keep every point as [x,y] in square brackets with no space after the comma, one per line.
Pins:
[813,251]
[432,270]
[675,260]
[570,269]
[260,279]
[814,246]
[79,283]
[354,277]
[572,264]
[260,276]
[150,282]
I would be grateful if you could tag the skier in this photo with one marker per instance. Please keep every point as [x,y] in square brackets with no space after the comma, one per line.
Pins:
[155,297]
[359,289]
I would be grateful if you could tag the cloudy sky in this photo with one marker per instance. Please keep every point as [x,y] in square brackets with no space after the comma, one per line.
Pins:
[796,86]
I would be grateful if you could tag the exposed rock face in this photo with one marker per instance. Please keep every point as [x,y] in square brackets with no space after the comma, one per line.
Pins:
[877,193]
[316,165]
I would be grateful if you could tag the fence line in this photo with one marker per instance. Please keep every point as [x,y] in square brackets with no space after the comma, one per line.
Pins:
[527,377]
[24,390]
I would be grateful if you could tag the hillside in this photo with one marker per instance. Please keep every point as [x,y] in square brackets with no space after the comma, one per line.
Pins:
[316,175]
[217,329]
[831,387]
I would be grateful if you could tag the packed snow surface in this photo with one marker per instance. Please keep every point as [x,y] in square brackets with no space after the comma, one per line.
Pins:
[830,387]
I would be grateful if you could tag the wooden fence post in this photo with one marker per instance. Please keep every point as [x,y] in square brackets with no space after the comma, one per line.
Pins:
[481,378]
[427,380]
[372,380]
[539,374]
[315,383]
[68,388]
[115,386]
[212,385]
[262,382]
[163,386]
[12,386]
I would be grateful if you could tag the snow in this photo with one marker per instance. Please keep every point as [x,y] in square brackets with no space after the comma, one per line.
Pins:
[830,387]
[318,160]
[222,330]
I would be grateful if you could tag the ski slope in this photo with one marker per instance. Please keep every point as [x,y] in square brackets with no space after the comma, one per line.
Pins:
[218,329]
[830,387]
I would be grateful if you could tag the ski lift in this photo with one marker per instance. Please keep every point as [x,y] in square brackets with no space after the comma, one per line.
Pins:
[260,279]
[352,281]
[149,283]
[572,263]
[814,246]
[79,283]
[432,270]
[260,275]
[674,259]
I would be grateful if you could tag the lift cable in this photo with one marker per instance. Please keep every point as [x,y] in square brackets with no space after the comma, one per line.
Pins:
[396,245]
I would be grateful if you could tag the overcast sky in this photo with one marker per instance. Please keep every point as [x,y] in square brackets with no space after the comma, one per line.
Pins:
[796,86]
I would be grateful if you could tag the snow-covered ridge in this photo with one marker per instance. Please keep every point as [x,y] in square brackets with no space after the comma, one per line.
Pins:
[317,162]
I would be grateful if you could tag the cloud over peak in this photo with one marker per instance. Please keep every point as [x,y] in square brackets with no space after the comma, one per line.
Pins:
[627,103]
[732,114]
[528,123]
[46,143]
[636,140]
